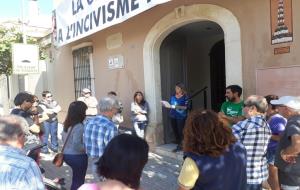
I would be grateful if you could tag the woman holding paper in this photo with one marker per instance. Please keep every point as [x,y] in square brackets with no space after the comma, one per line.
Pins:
[178,113]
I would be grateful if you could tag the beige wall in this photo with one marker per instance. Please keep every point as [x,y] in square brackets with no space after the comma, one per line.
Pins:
[257,51]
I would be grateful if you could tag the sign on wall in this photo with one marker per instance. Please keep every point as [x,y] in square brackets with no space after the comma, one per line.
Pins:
[25,58]
[281,21]
[76,19]
[116,62]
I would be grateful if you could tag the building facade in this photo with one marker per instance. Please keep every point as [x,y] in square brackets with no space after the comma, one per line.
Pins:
[206,44]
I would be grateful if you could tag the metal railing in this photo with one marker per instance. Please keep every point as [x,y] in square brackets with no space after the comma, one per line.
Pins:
[204,91]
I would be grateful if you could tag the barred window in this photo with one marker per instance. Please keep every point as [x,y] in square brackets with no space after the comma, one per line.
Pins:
[83,74]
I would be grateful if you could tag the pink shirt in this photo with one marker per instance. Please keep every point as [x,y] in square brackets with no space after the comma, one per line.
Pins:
[89,186]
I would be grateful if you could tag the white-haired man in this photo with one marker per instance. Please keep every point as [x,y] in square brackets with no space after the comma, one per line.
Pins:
[287,156]
[17,170]
[99,130]
[254,133]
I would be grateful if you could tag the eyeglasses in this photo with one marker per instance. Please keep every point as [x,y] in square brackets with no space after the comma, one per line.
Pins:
[49,96]
[280,105]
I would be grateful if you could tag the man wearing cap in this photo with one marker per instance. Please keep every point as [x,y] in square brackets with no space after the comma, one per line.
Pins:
[254,133]
[90,101]
[287,159]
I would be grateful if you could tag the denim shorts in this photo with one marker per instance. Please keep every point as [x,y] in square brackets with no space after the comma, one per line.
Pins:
[271,156]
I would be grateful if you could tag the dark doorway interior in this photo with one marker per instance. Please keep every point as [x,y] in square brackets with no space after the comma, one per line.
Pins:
[185,56]
[217,75]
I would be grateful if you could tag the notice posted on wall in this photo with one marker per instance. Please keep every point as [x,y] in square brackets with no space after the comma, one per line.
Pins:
[116,62]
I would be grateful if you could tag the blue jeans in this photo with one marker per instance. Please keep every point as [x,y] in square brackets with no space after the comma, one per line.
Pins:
[140,127]
[254,187]
[50,128]
[79,164]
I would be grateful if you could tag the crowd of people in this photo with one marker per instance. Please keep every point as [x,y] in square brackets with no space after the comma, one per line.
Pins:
[248,145]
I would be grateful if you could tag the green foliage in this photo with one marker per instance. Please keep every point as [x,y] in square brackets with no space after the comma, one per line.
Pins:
[9,36]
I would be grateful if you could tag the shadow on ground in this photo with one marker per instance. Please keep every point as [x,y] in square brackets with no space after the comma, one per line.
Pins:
[161,172]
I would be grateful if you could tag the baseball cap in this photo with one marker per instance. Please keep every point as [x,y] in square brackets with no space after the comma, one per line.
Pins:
[289,101]
[86,90]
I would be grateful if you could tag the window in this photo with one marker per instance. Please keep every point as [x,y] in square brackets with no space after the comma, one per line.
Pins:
[83,74]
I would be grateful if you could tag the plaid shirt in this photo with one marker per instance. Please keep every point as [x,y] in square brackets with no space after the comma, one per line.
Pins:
[17,171]
[254,133]
[98,131]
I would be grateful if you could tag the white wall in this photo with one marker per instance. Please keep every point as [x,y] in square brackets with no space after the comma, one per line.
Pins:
[3,95]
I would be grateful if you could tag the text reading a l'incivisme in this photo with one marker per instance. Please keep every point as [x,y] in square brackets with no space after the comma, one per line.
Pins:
[107,13]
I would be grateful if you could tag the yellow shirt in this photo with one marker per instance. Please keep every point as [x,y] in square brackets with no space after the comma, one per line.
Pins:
[189,174]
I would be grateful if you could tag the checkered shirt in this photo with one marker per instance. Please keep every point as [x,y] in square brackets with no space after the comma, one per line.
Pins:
[98,131]
[18,171]
[254,133]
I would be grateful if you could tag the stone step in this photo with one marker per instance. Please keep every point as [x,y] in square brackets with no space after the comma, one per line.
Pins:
[166,150]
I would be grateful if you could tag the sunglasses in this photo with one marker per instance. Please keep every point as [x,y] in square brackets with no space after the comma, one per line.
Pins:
[49,96]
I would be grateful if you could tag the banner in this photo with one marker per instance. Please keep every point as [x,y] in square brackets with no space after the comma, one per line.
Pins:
[76,19]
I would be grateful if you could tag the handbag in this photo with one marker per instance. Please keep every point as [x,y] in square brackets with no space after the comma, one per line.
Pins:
[58,159]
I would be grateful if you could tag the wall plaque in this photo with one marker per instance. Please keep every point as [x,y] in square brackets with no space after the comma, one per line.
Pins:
[281,50]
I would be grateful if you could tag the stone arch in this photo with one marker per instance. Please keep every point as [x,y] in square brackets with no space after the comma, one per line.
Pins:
[179,17]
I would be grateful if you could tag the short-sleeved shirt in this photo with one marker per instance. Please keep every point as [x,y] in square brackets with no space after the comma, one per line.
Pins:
[290,172]
[189,174]
[179,113]
[232,109]
[211,173]
[277,125]
[254,133]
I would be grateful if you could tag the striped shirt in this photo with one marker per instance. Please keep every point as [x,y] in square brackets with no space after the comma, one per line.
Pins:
[98,131]
[254,133]
[17,171]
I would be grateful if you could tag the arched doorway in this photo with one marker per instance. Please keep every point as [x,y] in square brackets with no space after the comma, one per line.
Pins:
[193,54]
[171,22]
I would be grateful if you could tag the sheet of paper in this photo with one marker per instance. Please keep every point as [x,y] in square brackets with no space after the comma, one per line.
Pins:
[165,104]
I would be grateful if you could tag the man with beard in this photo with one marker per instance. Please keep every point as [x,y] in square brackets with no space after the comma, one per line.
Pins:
[232,109]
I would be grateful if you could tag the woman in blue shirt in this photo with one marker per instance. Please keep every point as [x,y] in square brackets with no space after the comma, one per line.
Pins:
[178,113]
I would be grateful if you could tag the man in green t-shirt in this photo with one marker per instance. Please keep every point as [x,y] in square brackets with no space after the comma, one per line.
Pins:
[232,109]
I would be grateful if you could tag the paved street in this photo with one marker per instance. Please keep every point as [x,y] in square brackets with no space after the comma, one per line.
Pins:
[160,172]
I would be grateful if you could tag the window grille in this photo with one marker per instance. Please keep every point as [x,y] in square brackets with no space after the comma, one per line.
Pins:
[82,69]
